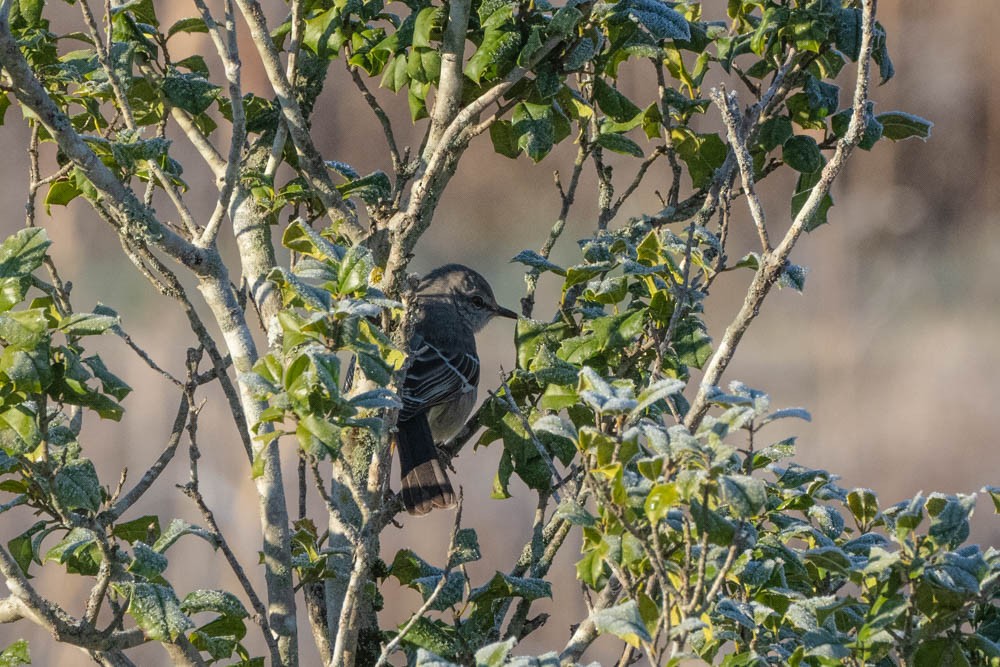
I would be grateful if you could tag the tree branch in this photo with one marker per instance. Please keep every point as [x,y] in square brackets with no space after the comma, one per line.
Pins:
[773,264]
[448,99]
[312,163]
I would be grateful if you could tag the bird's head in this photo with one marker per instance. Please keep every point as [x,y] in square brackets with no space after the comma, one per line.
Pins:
[468,290]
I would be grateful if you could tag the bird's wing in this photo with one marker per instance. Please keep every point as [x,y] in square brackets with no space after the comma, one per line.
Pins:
[436,376]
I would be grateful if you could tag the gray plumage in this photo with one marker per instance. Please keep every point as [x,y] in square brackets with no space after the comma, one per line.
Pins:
[453,303]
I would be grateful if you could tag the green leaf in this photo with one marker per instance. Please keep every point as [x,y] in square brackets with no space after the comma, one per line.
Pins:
[943,652]
[17,653]
[61,193]
[504,139]
[23,252]
[564,21]
[499,48]
[76,486]
[532,123]
[661,20]
[24,548]
[898,125]
[303,239]
[774,132]
[656,392]
[188,25]
[661,499]
[189,91]
[863,504]
[691,342]
[832,559]
[503,586]
[221,602]
[702,153]
[355,268]
[575,513]
[803,190]
[146,563]
[949,515]
[848,34]
[19,432]
[619,143]
[794,276]
[994,492]
[427,19]
[495,655]
[466,548]
[745,495]
[110,383]
[613,103]
[145,528]
[177,529]
[372,189]
[156,610]
[87,324]
[802,154]
[74,541]
[624,622]
[536,261]
[433,638]
[24,329]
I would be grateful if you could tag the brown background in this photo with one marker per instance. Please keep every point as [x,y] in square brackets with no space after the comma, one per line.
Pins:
[892,348]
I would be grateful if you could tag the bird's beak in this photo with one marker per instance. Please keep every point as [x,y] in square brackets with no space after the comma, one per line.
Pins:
[505,312]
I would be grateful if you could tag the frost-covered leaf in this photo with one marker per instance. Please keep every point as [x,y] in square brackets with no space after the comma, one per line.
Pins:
[655,392]
[624,622]
[221,602]
[505,586]
[87,324]
[745,495]
[557,426]
[536,261]
[495,655]
[156,610]
[466,548]
[376,399]
[575,513]
[77,487]
[177,529]
[898,125]
[146,562]
[786,413]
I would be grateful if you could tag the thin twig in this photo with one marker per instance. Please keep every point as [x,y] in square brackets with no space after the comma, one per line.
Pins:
[728,109]
[192,491]
[432,598]
[228,48]
[774,264]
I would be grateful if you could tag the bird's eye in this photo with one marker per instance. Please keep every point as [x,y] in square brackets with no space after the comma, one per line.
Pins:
[478,302]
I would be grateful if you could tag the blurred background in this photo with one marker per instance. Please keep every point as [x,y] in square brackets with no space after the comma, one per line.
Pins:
[893,346]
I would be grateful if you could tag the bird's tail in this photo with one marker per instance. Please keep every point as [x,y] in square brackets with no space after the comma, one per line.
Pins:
[424,484]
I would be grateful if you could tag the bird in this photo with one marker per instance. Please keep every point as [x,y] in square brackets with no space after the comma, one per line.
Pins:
[452,303]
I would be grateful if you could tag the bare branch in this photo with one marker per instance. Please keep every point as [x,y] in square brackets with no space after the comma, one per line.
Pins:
[448,98]
[192,490]
[567,198]
[123,504]
[773,264]
[313,166]
[226,44]
[125,108]
[738,142]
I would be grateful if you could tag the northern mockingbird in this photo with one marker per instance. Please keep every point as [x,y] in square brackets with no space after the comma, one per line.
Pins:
[453,302]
